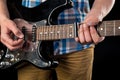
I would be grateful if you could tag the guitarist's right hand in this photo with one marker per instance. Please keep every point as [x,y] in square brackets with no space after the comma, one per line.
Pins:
[8,28]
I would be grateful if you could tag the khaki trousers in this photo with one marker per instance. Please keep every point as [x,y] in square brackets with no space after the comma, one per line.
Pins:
[73,66]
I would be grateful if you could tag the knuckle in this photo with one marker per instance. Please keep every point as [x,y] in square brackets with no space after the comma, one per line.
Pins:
[88,40]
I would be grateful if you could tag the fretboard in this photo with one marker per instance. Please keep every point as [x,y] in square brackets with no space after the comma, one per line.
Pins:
[54,32]
[109,28]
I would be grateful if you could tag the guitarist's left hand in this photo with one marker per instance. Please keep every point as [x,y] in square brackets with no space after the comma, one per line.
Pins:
[87,32]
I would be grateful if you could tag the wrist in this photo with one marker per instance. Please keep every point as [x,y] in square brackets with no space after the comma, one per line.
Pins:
[3,18]
[96,14]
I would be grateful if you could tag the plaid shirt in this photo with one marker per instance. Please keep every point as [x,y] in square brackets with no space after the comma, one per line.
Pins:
[75,14]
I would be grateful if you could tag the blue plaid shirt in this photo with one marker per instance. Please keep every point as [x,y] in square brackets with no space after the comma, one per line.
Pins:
[75,14]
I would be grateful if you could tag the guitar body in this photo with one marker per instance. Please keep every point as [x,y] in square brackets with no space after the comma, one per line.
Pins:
[37,52]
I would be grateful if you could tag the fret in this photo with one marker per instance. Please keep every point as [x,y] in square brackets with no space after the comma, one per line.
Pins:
[58,33]
[54,32]
[43,30]
[45,33]
[105,28]
[114,27]
[68,32]
[101,29]
[53,35]
[61,31]
[50,33]
[117,29]
[110,28]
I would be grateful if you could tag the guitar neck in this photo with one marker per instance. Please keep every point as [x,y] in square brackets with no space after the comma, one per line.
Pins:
[54,32]
[109,28]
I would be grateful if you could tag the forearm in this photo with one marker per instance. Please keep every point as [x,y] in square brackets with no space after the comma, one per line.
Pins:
[3,10]
[102,7]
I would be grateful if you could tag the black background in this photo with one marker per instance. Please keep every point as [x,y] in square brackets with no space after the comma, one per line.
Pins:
[107,55]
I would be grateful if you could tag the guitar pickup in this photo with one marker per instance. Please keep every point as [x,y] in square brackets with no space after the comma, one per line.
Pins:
[33,33]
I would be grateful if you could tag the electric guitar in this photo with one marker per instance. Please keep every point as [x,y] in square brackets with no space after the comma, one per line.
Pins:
[35,51]
[38,32]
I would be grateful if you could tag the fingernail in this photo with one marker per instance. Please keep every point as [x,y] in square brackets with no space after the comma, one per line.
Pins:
[20,35]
